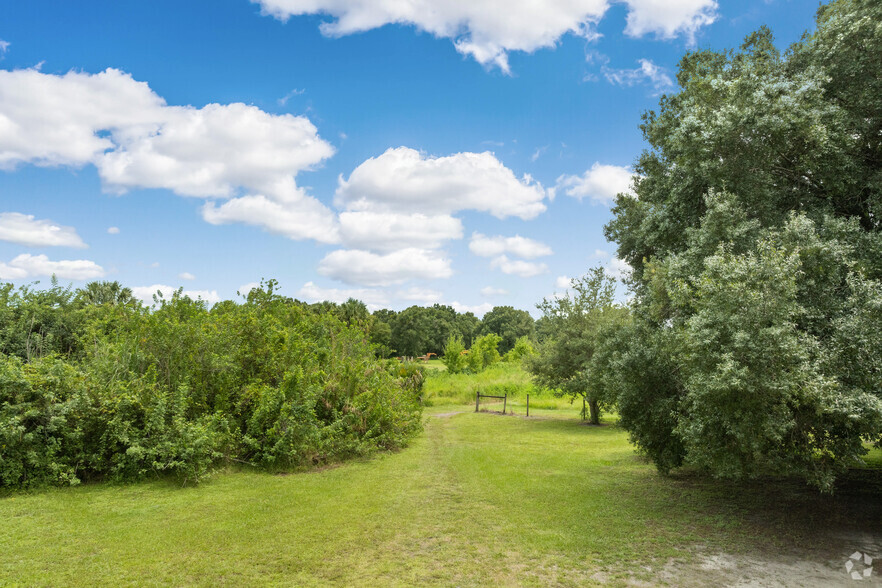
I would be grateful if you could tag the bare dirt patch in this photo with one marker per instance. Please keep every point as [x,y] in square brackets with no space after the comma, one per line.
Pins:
[776,570]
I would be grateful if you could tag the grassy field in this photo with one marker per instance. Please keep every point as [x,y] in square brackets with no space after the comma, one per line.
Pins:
[478,499]
[501,378]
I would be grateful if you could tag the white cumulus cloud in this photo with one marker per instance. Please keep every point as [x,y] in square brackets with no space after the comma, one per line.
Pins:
[146,293]
[421,295]
[518,267]
[296,217]
[136,140]
[483,29]
[186,276]
[374,299]
[487,30]
[365,268]
[669,18]
[491,291]
[563,282]
[485,246]
[244,289]
[618,268]
[403,180]
[24,229]
[600,183]
[389,231]
[478,310]
[26,266]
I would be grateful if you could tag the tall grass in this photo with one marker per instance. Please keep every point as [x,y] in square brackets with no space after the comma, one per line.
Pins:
[500,379]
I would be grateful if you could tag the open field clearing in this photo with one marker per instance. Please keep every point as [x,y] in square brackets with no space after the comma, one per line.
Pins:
[477,499]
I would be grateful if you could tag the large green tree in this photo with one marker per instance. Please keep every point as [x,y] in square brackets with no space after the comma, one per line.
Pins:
[754,234]
[509,323]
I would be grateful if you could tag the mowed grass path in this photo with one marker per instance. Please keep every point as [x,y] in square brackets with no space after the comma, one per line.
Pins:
[478,499]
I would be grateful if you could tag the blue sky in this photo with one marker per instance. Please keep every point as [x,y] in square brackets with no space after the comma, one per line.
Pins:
[399,152]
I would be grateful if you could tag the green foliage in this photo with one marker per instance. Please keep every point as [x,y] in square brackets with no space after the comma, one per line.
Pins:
[183,388]
[756,242]
[522,348]
[577,325]
[509,323]
[105,293]
[454,358]
[443,387]
[411,374]
[483,353]
[419,330]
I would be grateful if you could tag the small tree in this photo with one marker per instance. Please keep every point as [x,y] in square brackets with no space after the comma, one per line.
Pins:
[453,355]
[484,352]
[522,348]
[577,323]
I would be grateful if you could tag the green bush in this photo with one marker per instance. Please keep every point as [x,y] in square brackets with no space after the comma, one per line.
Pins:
[183,388]
[484,352]
[522,348]
[454,357]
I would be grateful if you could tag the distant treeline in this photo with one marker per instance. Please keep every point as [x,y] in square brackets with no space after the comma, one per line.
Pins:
[95,385]
[420,330]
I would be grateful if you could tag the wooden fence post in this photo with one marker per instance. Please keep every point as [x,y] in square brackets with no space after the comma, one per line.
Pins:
[477,398]
[504,402]
[528,405]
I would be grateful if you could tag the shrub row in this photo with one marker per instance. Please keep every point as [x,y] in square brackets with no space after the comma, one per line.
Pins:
[181,389]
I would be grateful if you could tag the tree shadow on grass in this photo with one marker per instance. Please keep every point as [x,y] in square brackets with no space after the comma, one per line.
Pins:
[787,513]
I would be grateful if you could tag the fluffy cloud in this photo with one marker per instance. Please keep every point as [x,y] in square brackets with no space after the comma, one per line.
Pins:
[618,268]
[389,231]
[518,267]
[66,120]
[146,293]
[374,299]
[421,295]
[136,140]
[483,29]
[26,266]
[297,217]
[24,229]
[403,180]
[398,207]
[244,289]
[563,282]
[478,310]
[490,291]
[485,246]
[669,18]
[353,266]
[113,230]
[601,183]
[648,72]
[186,276]
[214,150]
[488,29]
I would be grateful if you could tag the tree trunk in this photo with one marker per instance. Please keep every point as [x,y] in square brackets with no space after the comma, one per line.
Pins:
[594,409]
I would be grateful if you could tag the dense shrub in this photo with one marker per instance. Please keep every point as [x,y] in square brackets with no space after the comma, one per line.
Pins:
[483,353]
[454,355]
[182,388]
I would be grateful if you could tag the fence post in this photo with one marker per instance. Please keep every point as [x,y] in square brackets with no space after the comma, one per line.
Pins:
[477,398]
[528,405]
[504,402]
